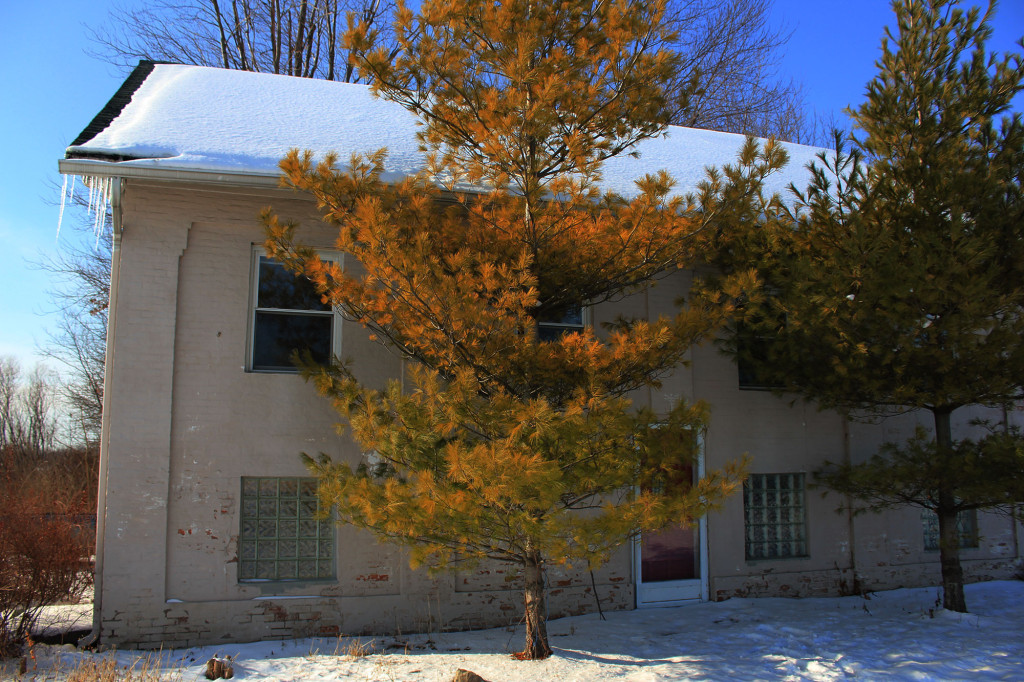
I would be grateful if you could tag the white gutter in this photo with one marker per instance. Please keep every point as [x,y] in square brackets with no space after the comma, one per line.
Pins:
[225,178]
[100,168]
[108,372]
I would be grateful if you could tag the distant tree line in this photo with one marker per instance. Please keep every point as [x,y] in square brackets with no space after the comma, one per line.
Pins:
[28,421]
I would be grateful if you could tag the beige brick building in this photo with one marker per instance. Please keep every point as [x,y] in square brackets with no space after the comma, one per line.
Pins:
[206,532]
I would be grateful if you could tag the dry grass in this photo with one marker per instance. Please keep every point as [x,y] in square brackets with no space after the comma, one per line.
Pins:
[354,648]
[145,669]
[107,667]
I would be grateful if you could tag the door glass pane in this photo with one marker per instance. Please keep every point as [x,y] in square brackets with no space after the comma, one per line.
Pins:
[669,555]
[672,553]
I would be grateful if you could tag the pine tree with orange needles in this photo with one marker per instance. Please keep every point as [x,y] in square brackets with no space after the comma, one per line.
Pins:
[505,443]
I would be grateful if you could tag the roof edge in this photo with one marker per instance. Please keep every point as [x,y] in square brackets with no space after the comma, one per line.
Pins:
[117,103]
[104,168]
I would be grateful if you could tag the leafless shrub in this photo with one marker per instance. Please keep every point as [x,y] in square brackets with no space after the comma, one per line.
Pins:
[43,551]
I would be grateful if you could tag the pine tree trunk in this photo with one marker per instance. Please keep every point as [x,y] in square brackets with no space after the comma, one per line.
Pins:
[949,534]
[949,557]
[537,647]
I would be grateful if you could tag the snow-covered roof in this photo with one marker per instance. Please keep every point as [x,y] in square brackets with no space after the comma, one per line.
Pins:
[201,119]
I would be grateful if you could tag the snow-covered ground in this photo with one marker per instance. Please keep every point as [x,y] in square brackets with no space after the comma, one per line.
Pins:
[899,635]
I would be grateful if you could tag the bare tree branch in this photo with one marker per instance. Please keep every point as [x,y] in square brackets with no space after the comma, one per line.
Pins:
[80,291]
[732,54]
[294,37]
[28,422]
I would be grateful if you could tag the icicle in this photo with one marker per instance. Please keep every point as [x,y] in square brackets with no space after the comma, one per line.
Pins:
[91,184]
[96,216]
[102,185]
[103,202]
[63,196]
[108,204]
[107,194]
[99,198]
[97,203]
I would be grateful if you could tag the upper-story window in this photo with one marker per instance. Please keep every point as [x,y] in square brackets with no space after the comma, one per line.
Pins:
[553,327]
[752,357]
[753,345]
[287,315]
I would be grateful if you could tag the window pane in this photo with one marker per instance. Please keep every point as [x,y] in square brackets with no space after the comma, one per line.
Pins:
[752,357]
[279,288]
[277,335]
[551,327]
[573,317]
[289,488]
[289,509]
[546,332]
[268,507]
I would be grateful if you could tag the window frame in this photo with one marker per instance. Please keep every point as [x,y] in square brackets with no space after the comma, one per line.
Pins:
[585,323]
[756,346]
[257,254]
[966,527]
[249,536]
[797,541]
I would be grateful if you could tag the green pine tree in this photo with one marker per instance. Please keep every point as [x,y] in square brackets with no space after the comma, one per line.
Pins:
[897,283]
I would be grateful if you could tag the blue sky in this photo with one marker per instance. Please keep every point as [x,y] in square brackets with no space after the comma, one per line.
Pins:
[52,89]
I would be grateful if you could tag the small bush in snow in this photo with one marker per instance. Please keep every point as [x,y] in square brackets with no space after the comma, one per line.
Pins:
[43,555]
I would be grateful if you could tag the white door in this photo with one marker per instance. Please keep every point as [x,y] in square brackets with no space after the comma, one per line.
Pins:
[671,565]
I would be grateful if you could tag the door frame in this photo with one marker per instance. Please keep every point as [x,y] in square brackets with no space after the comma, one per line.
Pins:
[676,592]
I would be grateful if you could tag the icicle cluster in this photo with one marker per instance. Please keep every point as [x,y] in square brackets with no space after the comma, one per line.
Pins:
[98,202]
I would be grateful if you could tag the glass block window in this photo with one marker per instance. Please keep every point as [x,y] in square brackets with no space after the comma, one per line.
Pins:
[282,537]
[775,516]
[966,524]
